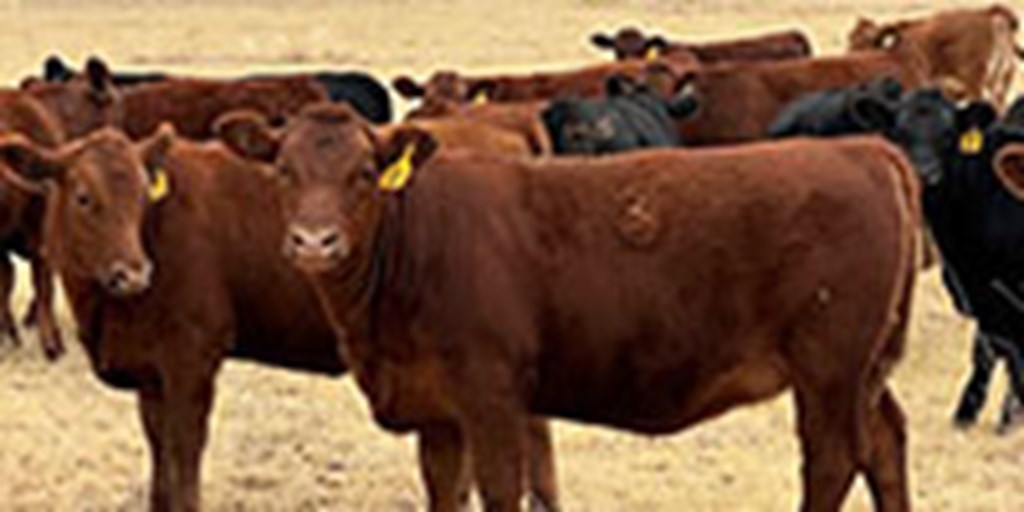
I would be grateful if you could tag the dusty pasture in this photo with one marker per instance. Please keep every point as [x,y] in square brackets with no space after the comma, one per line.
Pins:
[284,441]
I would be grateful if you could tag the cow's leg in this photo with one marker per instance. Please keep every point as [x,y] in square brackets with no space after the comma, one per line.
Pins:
[1012,413]
[1015,370]
[494,422]
[973,397]
[49,334]
[175,420]
[827,428]
[444,467]
[543,479]
[8,327]
[151,411]
[886,471]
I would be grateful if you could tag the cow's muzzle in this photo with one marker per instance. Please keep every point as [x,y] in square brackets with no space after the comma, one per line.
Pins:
[315,250]
[123,279]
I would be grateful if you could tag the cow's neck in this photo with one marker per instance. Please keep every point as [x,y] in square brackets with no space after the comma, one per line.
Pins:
[355,291]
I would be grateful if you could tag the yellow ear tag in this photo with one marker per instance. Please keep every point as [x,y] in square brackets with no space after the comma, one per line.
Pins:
[160,187]
[972,142]
[480,97]
[652,53]
[397,175]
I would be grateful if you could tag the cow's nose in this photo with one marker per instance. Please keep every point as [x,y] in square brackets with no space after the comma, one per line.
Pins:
[316,243]
[124,278]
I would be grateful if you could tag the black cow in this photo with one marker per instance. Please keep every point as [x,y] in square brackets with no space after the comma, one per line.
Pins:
[979,228]
[835,111]
[631,116]
[360,90]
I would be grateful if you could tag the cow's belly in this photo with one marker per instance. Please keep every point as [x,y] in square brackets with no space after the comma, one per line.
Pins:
[662,401]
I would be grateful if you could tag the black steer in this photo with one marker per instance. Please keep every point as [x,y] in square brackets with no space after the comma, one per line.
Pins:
[630,117]
[979,228]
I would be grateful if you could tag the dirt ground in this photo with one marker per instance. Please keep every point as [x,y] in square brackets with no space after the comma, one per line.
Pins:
[286,441]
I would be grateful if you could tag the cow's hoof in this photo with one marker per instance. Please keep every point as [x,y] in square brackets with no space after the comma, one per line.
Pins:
[1011,417]
[965,418]
[52,342]
[963,423]
[53,352]
[9,331]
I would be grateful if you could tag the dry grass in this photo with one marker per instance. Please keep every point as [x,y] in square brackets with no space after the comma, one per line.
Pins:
[284,441]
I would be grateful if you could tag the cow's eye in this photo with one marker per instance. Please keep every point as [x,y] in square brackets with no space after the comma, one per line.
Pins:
[83,199]
[285,172]
[368,173]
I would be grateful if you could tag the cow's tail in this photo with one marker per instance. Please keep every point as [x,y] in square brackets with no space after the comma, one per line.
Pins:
[891,342]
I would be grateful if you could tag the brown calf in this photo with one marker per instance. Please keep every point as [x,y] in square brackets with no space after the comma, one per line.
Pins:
[178,281]
[739,102]
[646,291]
[972,52]
[449,86]
[46,114]
[631,43]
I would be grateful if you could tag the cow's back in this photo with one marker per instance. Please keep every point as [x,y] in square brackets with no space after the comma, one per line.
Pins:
[739,103]
[770,47]
[192,105]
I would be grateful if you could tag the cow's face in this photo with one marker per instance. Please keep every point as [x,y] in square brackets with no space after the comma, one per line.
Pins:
[100,188]
[629,43]
[332,168]
[81,103]
[441,91]
[580,127]
[933,131]
[868,35]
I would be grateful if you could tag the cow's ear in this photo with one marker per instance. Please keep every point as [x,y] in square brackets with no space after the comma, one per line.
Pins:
[889,36]
[407,87]
[398,157]
[683,106]
[481,91]
[872,113]
[154,149]
[55,70]
[1009,167]
[603,41]
[101,82]
[620,85]
[249,135]
[977,114]
[27,164]
[656,42]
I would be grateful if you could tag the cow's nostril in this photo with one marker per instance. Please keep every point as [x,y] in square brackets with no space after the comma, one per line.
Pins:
[330,240]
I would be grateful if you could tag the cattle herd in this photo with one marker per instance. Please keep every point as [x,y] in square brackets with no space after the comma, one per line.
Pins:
[644,243]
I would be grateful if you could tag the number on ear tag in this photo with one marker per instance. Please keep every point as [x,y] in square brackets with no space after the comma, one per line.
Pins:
[652,53]
[972,142]
[159,188]
[397,175]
